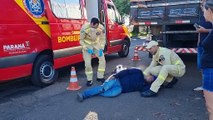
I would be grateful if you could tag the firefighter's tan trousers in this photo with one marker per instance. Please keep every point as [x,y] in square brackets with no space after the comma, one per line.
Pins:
[165,73]
[88,65]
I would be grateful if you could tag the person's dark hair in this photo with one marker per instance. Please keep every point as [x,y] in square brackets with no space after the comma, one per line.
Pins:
[209,4]
[95,21]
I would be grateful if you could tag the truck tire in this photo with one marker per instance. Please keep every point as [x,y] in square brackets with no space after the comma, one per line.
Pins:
[125,49]
[44,73]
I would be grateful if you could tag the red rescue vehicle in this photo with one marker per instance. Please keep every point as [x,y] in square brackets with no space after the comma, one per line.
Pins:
[39,36]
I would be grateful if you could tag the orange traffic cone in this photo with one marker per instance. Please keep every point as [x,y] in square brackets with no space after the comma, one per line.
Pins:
[73,85]
[136,57]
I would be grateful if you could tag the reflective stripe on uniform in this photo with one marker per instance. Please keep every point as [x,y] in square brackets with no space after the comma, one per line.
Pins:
[87,29]
[102,46]
[88,42]
[177,62]
[161,77]
[145,73]
[100,29]
[89,72]
[101,70]
[178,67]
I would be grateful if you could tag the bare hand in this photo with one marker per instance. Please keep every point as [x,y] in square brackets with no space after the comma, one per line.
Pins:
[149,78]
[202,29]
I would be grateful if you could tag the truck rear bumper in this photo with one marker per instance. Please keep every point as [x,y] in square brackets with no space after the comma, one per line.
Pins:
[185,50]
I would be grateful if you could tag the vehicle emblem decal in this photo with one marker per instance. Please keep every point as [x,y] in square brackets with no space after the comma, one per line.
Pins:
[34,7]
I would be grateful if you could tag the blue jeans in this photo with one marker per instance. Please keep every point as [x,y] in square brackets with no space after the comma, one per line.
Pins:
[109,88]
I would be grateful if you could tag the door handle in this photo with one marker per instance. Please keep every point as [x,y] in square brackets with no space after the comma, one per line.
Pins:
[44,22]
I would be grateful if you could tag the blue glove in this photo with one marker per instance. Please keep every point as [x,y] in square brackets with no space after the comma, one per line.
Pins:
[90,51]
[100,53]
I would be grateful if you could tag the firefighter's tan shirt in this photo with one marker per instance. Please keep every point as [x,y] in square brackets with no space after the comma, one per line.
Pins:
[165,56]
[92,38]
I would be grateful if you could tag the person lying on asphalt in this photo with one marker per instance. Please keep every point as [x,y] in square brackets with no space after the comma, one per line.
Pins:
[122,80]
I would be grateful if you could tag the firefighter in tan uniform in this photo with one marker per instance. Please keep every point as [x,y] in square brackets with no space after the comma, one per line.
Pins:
[166,65]
[92,40]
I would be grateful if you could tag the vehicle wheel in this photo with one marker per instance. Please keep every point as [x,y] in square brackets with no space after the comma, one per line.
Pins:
[44,73]
[125,50]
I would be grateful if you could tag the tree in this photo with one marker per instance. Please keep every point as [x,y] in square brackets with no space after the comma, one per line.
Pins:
[123,6]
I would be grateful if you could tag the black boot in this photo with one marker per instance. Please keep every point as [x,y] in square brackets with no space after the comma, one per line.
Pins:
[80,97]
[148,93]
[100,80]
[172,83]
[89,83]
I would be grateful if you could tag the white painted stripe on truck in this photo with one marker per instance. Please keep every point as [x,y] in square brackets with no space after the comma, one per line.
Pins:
[186,21]
[183,3]
[148,23]
[182,21]
[135,6]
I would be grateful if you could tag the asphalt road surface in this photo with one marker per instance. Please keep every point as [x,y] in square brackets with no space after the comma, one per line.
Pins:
[20,100]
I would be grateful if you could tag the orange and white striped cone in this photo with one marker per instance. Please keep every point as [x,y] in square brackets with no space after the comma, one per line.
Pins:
[136,57]
[73,85]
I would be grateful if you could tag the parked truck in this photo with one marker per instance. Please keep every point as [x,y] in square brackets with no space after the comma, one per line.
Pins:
[37,37]
[169,21]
